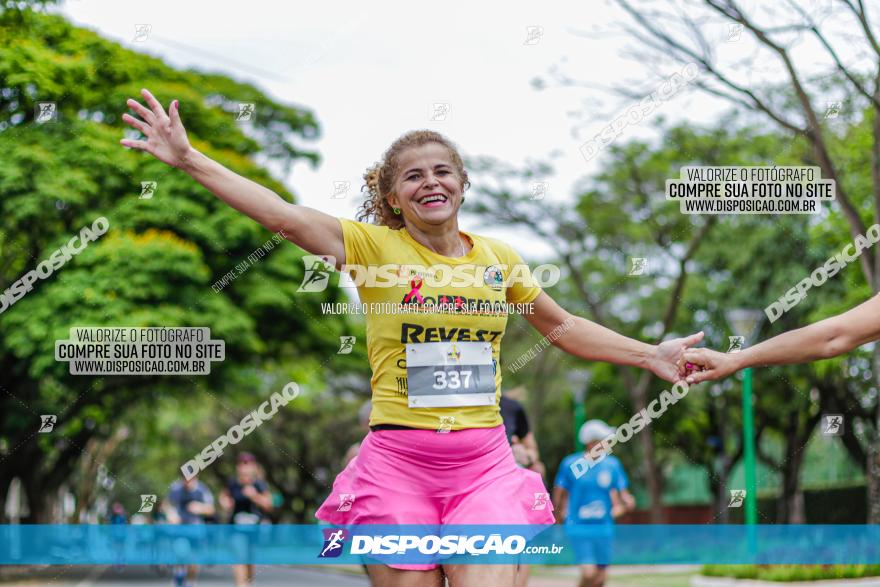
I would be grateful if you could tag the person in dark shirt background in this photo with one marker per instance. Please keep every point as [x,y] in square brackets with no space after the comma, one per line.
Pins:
[519,434]
[189,502]
[248,499]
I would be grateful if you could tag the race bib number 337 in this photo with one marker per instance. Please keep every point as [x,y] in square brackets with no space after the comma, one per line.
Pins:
[450,374]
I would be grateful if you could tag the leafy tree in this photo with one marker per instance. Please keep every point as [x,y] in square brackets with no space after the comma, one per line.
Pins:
[698,267]
[799,105]
[157,263]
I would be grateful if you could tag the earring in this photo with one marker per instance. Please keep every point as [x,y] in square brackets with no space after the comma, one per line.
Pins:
[396,210]
[462,199]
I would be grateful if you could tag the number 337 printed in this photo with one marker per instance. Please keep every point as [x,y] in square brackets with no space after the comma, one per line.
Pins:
[451,379]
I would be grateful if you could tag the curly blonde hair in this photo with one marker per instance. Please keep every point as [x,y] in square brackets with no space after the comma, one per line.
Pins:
[379,179]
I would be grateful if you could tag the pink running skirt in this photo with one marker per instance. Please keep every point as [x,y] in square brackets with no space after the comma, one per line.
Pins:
[427,477]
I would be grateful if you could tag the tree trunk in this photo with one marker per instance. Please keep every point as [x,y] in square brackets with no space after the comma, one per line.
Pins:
[4,494]
[790,508]
[873,469]
[97,451]
[35,499]
[646,439]
[721,496]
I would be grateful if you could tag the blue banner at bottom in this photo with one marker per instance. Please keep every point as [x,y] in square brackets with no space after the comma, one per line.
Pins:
[419,544]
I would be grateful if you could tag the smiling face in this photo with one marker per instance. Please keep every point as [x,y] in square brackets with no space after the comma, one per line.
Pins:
[427,188]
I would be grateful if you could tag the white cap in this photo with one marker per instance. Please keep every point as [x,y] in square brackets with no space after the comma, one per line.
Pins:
[593,430]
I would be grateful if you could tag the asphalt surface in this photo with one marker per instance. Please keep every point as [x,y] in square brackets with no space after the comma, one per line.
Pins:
[323,575]
[143,576]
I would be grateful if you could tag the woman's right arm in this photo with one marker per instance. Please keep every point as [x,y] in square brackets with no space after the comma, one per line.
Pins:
[310,229]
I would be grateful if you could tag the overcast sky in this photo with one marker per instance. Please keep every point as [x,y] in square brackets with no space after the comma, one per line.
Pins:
[370,72]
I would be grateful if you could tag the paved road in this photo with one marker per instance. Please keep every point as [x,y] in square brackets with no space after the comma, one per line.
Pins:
[276,576]
[268,576]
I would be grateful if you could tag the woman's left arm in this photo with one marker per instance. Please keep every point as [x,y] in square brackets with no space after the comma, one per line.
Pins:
[588,340]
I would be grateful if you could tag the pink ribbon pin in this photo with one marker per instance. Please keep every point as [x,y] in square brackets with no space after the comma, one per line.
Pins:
[415,284]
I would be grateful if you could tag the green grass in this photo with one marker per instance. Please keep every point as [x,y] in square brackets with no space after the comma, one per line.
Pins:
[792,572]
[651,580]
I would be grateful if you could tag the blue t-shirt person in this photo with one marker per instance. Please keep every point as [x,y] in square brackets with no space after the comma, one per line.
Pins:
[589,497]
[181,494]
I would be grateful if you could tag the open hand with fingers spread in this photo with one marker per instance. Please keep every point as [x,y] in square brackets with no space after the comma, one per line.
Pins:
[710,364]
[667,361]
[166,137]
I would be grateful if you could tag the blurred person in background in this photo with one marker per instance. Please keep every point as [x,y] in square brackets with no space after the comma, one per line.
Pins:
[118,519]
[519,433]
[247,499]
[589,504]
[188,502]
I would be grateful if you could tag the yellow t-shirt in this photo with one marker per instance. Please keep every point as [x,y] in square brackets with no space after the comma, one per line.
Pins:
[475,312]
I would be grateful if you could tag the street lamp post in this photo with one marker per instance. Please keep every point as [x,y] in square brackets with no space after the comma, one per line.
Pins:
[745,323]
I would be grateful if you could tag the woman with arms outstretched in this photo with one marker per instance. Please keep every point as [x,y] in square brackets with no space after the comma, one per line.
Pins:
[406,472]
